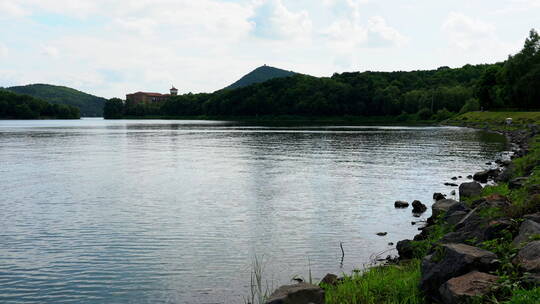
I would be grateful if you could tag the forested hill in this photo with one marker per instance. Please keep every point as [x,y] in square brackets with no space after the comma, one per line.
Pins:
[416,95]
[90,105]
[17,106]
[260,74]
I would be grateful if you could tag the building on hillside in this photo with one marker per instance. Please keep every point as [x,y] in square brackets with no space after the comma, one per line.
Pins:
[149,98]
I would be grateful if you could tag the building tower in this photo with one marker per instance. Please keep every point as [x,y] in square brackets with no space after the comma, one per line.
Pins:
[174,91]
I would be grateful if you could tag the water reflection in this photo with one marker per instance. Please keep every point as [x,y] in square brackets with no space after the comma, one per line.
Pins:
[161,211]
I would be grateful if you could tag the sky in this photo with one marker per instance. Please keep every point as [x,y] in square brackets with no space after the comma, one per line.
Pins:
[110,47]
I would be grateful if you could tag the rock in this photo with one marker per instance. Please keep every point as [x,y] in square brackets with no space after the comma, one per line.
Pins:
[453,192]
[451,184]
[390,244]
[528,257]
[438,196]
[405,249]
[418,207]
[454,178]
[527,229]
[401,204]
[329,279]
[455,217]
[463,288]
[496,228]
[506,174]
[442,206]
[535,217]
[481,176]
[488,163]
[452,261]
[460,176]
[506,163]
[302,293]
[517,183]
[382,233]
[470,189]
[469,176]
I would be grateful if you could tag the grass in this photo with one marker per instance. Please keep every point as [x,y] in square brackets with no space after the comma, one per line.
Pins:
[519,118]
[523,296]
[383,284]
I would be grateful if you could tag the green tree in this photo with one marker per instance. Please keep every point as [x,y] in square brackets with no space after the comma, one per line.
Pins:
[113,109]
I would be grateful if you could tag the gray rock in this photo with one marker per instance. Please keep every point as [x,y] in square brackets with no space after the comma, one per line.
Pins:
[382,233]
[535,217]
[401,204]
[528,257]
[527,229]
[442,206]
[330,279]
[470,189]
[517,183]
[454,260]
[481,176]
[405,249]
[302,293]
[506,174]
[418,207]
[463,288]
[451,184]
[438,196]
[455,217]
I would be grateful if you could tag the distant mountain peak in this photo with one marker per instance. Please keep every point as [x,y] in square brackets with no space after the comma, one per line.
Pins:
[260,74]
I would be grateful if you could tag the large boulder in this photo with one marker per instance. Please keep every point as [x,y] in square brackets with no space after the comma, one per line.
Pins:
[302,293]
[528,259]
[452,261]
[455,217]
[463,288]
[527,229]
[442,206]
[471,189]
[474,227]
[405,249]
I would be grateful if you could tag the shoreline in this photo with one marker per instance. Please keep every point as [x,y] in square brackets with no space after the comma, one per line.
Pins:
[446,240]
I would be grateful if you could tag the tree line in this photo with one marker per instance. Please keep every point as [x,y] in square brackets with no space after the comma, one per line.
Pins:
[16,106]
[432,94]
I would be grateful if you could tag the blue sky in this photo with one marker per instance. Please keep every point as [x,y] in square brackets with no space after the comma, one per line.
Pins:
[110,48]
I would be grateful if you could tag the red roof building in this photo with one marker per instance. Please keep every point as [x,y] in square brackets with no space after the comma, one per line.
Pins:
[148,97]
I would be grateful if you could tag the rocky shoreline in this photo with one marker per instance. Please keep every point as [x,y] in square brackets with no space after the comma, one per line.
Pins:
[456,267]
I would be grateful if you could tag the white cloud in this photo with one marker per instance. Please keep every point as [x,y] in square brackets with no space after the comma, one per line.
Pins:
[11,8]
[467,33]
[273,20]
[4,51]
[381,34]
[49,51]
[474,40]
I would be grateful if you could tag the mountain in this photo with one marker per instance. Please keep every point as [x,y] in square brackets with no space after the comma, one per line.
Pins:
[260,74]
[90,105]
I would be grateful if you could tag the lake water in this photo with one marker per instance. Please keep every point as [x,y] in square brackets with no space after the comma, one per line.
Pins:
[96,211]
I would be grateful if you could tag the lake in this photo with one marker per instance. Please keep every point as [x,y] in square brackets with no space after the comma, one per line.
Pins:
[96,211]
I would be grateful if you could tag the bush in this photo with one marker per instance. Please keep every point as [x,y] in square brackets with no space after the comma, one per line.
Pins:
[470,106]
[424,114]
